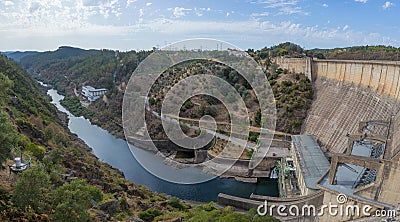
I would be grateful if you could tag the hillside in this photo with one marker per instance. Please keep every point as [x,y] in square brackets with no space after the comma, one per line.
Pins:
[111,70]
[293,95]
[378,52]
[17,56]
[65,181]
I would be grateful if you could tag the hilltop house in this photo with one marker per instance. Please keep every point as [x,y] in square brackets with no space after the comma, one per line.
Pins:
[236,52]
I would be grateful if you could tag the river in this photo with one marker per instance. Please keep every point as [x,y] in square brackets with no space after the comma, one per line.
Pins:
[116,152]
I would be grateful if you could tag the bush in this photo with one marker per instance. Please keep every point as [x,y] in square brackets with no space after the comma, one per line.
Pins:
[175,203]
[149,214]
[32,189]
[7,136]
[36,151]
[72,200]
[253,216]
[73,104]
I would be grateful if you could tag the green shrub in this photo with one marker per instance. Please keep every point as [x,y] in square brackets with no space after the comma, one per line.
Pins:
[175,203]
[36,151]
[72,200]
[149,214]
[7,136]
[32,189]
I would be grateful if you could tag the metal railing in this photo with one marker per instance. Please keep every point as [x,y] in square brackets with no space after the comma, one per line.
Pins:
[25,161]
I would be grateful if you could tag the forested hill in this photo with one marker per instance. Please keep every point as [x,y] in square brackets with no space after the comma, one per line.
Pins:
[379,52]
[46,59]
[99,68]
[43,192]
[17,56]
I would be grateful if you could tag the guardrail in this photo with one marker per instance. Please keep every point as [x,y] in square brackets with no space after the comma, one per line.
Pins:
[20,167]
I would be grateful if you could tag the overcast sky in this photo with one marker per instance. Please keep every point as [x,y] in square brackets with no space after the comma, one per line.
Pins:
[142,24]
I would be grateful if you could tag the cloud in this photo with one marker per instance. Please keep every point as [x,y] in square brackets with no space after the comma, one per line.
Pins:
[34,6]
[325,5]
[292,10]
[179,11]
[76,19]
[256,31]
[277,3]
[285,7]
[8,3]
[263,14]
[148,4]
[362,1]
[109,8]
[387,5]
[129,2]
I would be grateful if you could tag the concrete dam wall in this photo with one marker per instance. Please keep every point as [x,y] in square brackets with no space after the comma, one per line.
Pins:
[347,92]
[380,76]
[395,134]
[337,109]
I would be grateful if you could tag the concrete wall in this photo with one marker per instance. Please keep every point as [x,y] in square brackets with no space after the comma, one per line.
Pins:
[380,76]
[296,65]
[299,174]
[347,92]
[339,107]
[395,135]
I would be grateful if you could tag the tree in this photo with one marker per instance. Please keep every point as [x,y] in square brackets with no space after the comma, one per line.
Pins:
[7,131]
[72,200]
[5,85]
[7,137]
[32,190]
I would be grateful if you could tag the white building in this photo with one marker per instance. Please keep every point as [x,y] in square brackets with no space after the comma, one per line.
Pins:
[236,52]
[91,93]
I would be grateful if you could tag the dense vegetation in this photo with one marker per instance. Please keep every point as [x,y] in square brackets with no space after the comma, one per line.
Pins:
[293,94]
[73,104]
[378,52]
[68,68]
[287,49]
[17,56]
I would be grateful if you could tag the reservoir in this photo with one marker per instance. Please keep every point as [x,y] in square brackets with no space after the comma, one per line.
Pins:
[116,152]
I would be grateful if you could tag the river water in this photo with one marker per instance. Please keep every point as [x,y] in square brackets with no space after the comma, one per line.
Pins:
[116,152]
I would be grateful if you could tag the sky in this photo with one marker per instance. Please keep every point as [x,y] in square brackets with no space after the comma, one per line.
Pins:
[143,24]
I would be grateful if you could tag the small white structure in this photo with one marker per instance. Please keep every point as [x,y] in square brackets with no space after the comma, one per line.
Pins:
[91,93]
[19,166]
[236,52]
